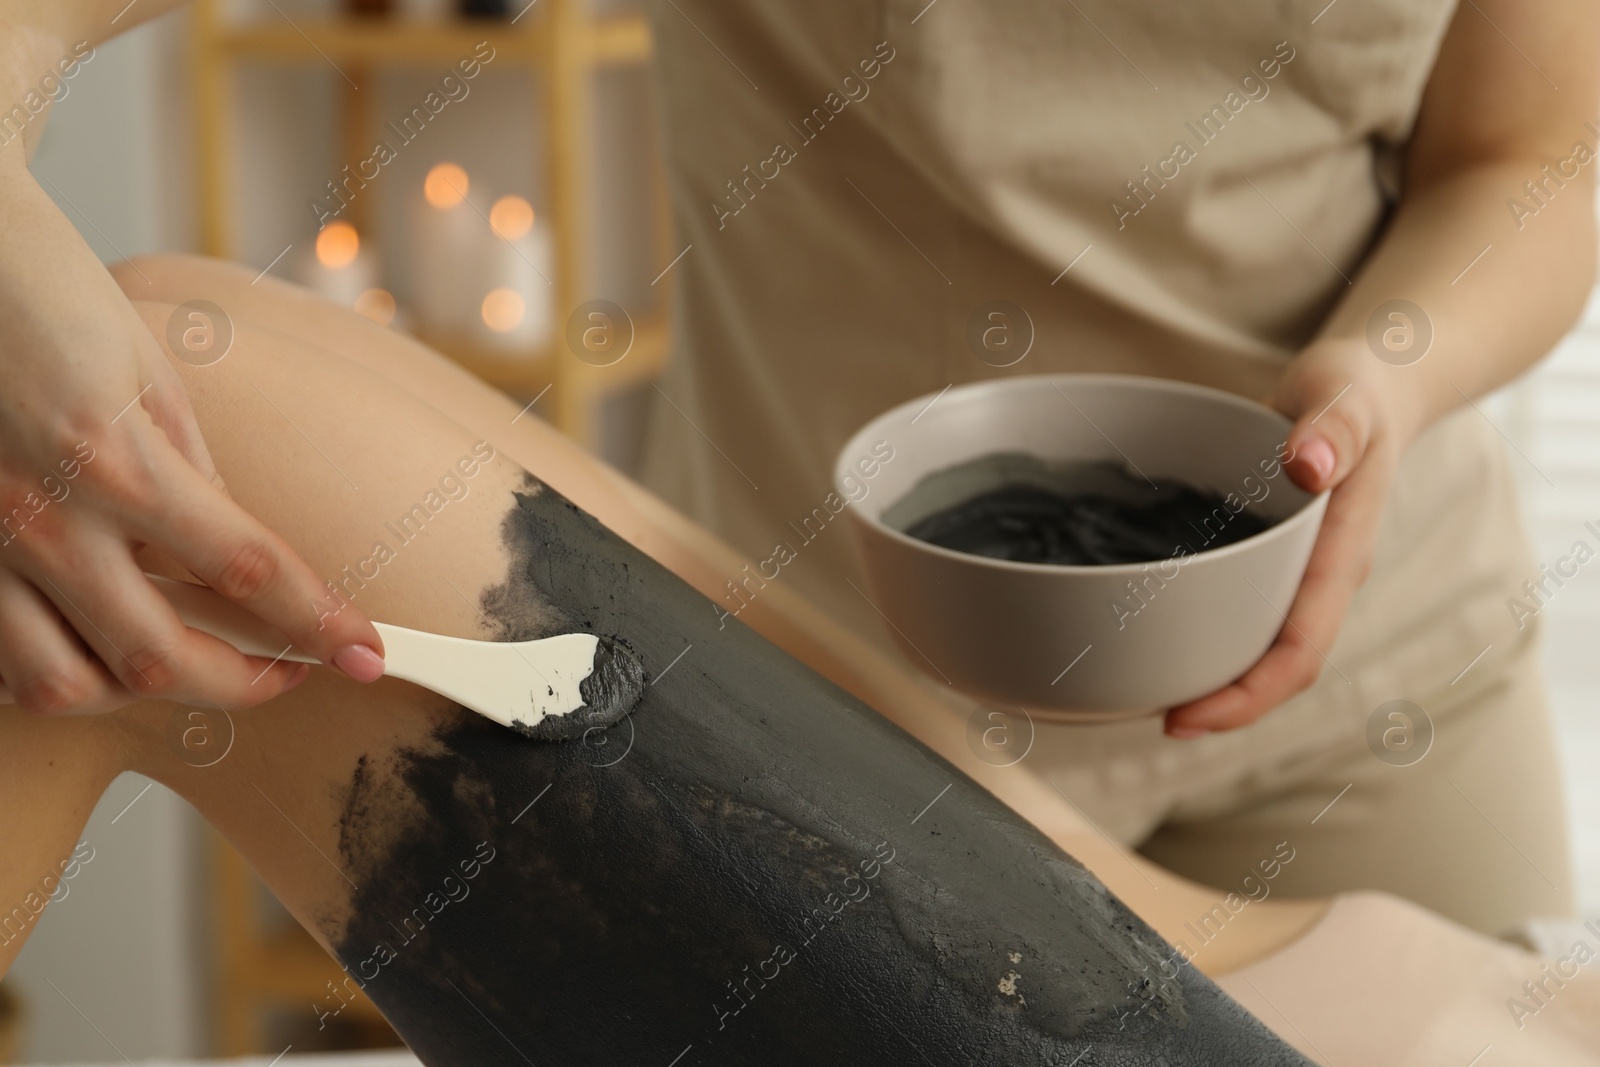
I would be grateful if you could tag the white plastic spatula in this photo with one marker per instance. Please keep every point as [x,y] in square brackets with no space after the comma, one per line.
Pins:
[517,684]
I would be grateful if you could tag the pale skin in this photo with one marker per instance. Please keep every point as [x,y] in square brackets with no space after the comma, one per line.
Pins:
[299,753]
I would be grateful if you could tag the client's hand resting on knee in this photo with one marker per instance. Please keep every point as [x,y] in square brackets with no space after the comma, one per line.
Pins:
[100,455]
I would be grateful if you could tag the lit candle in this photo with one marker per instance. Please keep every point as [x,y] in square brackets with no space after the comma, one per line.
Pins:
[338,268]
[515,312]
[449,239]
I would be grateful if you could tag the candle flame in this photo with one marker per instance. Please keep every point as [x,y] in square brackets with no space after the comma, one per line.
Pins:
[502,310]
[445,186]
[511,217]
[337,245]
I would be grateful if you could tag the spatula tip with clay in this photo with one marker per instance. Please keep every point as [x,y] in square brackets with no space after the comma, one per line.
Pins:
[551,689]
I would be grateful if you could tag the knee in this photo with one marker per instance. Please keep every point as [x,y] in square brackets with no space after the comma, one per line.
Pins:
[172,277]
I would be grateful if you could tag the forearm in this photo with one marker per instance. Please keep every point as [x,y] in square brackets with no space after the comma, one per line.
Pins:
[43,45]
[66,21]
[1463,292]
[1497,293]
[49,278]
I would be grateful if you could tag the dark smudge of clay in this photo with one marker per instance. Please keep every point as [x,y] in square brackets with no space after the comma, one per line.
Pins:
[745,884]
[1017,507]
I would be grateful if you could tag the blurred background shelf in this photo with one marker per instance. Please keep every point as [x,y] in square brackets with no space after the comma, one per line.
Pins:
[600,40]
[561,46]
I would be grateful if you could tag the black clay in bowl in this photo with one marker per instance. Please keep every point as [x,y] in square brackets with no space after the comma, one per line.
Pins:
[1017,507]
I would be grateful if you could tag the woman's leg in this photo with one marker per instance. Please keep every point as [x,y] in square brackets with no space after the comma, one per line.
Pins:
[750,860]
[790,622]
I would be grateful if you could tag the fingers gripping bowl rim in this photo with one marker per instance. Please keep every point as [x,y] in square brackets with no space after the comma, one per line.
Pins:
[1090,642]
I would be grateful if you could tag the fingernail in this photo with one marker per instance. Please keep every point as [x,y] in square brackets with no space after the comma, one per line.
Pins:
[359,662]
[1318,454]
[298,676]
[1187,733]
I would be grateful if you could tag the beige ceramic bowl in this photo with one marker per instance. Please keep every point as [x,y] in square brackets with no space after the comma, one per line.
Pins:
[1053,637]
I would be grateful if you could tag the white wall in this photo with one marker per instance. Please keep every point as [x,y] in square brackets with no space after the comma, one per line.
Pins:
[121,947]
[1553,417]
[104,154]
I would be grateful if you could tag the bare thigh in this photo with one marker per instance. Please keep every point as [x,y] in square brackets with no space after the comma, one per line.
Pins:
[337,459]
[517,431]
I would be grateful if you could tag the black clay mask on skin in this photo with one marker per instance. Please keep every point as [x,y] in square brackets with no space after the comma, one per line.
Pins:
[1018,507]
[735,873]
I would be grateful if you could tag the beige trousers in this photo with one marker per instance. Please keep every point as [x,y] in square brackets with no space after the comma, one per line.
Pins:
[1475,829]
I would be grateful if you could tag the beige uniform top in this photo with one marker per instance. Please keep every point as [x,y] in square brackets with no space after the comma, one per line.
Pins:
[1170,189]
